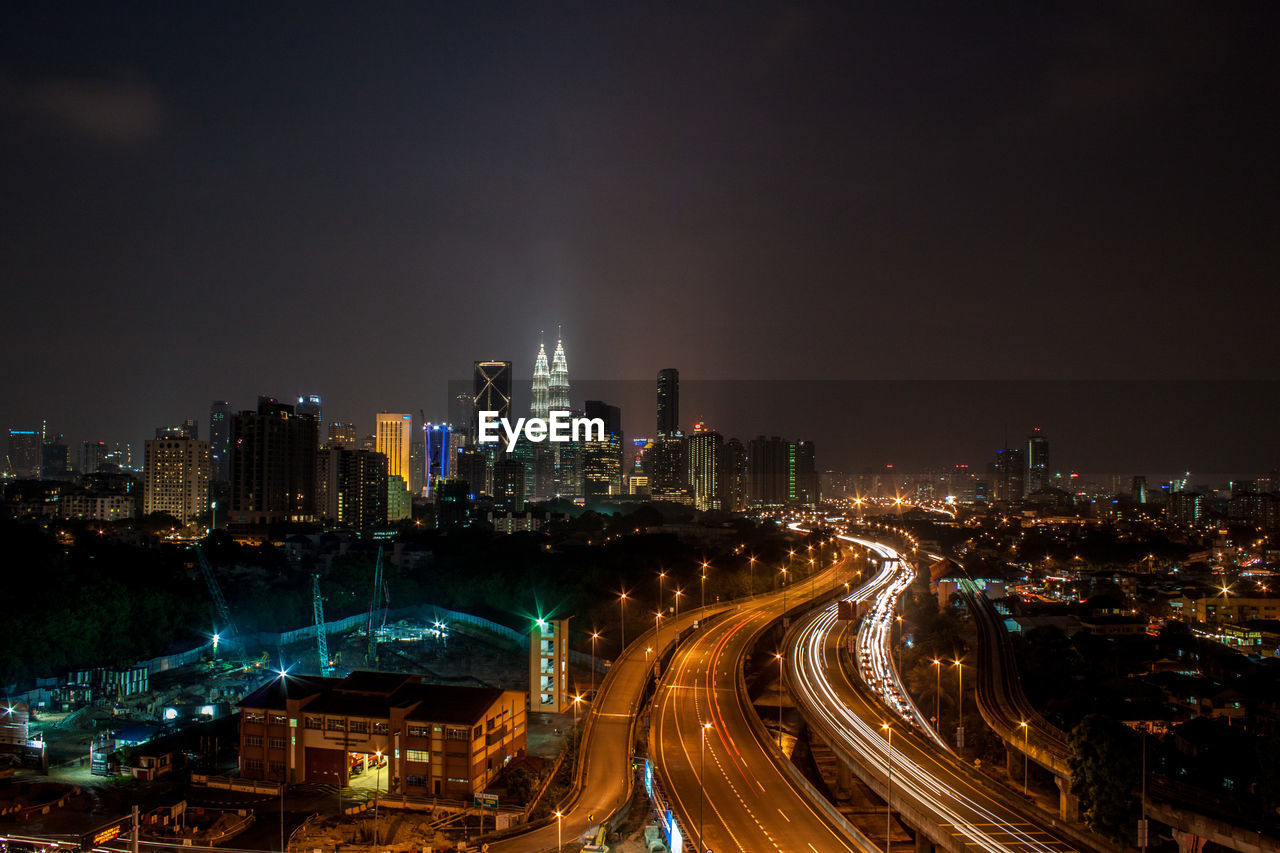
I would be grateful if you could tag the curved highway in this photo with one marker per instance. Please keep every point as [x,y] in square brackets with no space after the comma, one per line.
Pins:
[937,793]
[703,734]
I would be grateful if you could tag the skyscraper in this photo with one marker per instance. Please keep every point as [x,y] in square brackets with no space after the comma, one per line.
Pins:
[273,464]
[309,404]
[55,459]
[24,454]
[220,440]
[176,479]
[92,454]
[540,405]
[1037,462]
[767,471]
[491,386]
[602,460]
[733,476]
[394,433]
[1009,475]
[342,434]
[704,455]
[352,487]
[802,474]
[668,401]
[558,389]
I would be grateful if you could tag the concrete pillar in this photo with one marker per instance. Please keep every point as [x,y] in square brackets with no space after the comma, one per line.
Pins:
[1187,841]
[923,844]
[844,778]
[1013,762]
[1068,803]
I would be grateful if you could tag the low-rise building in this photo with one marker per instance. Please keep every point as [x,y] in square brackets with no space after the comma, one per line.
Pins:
[438,740]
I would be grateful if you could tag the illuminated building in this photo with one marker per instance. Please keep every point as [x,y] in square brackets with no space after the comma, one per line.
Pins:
[602,460]
[394,435]
[92,455]
[704,449]
[1216,607]
[767,471]
[220,440]
[540,401]
[668,401]
[418,466]
[1009,475]
[436,740]
[309,404]
[491,386]
[667,468]
[508,484]
[1184,507]
[441,449]
[55,460]
[273,464]
[548,666]
[558,389]
[733,476]
[176,478]
[342,435]
[1138,489]
[802,474]
[1037,462]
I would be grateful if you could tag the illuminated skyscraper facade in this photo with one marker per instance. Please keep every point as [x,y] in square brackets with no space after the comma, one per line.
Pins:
[176,479]
[1037,462]
[668,401]
[393,433]
[491,390]
[220,440]
[704,456]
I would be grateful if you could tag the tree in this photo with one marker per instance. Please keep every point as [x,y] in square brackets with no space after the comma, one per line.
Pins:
[1105,775]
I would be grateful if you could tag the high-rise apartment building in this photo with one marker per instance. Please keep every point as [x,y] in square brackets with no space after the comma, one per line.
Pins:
[55,460]
[767,465]
[802,474]
[273,464]
[1037,462]
[417,466]
[668,401]
[704,455]
[1008,474]
[733,476]
[220,440]
[24,454]
[92,454]
[351,487]
[176,477]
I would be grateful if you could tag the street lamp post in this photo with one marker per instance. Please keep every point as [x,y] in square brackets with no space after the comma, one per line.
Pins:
[677,594]
[959,665]
[377,783]
[622,619]
[782,686]
[901,643]
[595,635]
[704,584]
[1026,731]
[559,841]
[282,850]
[888,793]
[702,784]
[662,576]
[751,567]
[937,695]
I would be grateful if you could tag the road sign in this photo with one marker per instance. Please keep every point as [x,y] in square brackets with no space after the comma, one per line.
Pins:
[486,801]
[107,832]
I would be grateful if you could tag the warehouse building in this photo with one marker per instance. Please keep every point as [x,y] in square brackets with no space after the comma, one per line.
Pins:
[436,740]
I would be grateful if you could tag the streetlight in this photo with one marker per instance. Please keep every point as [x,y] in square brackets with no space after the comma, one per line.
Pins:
[595,635]
[702,783]
[622,618]
[751,566]
[783,572]
[959,665]
[1026,730]
[559,817]
[937,695]
[576,700]
[662,576]
[377,784]
[679,592]
[782,686]
[704,583]
[901,643]
[888,788]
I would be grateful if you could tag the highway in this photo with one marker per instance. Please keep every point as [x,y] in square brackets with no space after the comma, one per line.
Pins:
[703,732]
[943,797]
[605,776]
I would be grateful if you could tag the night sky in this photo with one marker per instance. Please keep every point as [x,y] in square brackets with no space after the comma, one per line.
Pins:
[215,200]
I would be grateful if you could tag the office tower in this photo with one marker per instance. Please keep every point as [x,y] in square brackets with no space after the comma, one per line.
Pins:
[668,401]
[802,474]
[342,434]
[767,471]
[1138,489]
[92,454]
[24,454]
[273,464]
[394,432]
[417,466]
[351,486]
[602,460]
[220,440]
[508,484]
[461,408]
[1184,507]
[440,452]
[491,386]
[733,476]
[309,404]
[176,477]
[558,388]
[704,456]
[55,460]
[540,404]
[1009,475]
[1037,462]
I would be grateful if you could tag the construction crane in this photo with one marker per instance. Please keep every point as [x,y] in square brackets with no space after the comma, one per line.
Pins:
[322,642]
[227,633]
[379,587]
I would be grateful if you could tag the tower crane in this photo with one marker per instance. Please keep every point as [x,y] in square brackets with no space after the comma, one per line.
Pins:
[379,590]
[227,633]
[322,642]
